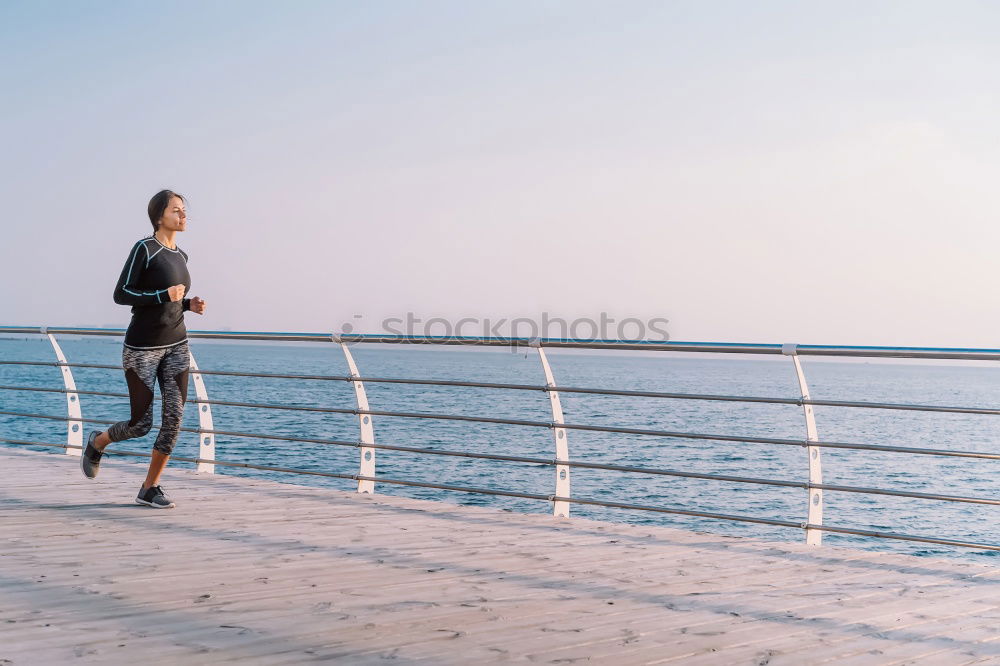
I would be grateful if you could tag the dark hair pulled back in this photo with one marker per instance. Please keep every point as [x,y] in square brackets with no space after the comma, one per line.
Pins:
[159,203]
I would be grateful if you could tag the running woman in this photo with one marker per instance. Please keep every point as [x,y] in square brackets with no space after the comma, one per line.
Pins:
[154,281]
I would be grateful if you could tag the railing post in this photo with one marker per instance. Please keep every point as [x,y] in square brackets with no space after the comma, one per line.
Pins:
[560,508]
[74,427]
[206,436]
[366,466]
[814,537]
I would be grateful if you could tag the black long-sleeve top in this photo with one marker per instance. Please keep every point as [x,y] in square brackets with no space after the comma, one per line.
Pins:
[150,269]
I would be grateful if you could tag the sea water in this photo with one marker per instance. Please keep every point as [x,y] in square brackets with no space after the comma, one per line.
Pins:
[953,384]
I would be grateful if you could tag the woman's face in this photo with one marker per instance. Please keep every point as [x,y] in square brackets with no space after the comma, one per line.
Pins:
[175,216]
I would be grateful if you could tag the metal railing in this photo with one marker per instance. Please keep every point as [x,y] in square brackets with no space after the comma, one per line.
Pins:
[561,498]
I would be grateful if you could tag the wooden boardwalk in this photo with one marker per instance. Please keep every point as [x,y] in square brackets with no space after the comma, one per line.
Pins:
[263,572]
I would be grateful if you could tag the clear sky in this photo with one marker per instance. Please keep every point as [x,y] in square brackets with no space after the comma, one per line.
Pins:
[813,172]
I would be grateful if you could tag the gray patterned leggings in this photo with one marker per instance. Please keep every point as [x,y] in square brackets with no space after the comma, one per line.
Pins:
[143,367]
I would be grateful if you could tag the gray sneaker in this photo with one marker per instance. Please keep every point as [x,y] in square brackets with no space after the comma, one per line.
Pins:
[154,497]
[90,459]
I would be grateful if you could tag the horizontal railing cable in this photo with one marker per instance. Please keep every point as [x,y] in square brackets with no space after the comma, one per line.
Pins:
[533,387]
[226,403]
[702,436]
[68,365]
[176,458]
[903,537]
[351,477]
[826,528]
[224,373]
[860,351]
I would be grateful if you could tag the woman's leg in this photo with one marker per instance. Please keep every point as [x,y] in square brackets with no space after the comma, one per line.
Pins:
[157,462]
[172,375]
[140,375]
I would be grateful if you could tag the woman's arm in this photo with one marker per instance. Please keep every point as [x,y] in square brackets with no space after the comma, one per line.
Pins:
[127,291]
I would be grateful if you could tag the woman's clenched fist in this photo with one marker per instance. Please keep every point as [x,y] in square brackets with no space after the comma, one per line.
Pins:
[176,292]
